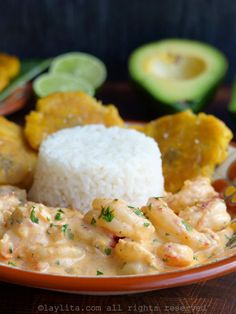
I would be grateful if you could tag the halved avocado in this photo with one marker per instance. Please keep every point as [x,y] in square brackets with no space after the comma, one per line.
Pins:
[179,73]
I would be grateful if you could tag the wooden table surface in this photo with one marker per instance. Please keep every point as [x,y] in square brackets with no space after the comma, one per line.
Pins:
[214,296]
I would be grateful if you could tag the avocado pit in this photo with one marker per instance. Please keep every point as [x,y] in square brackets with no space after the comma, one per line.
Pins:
[174,66]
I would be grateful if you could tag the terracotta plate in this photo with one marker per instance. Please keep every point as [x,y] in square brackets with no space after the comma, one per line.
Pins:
[117,285]
[126,284]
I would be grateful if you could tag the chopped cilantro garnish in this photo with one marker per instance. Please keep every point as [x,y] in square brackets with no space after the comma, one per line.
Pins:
[93,221]
[188,227]
[50,226]
[57,263]
[59,213]
[99,273]
[146,224]
[58,216]
[64,228]
[33,218]
[107,251]
[70,234]
[10,249]
[11,263]
[107,214]
[138,212]
[232,242]
[67,231]
[195,258]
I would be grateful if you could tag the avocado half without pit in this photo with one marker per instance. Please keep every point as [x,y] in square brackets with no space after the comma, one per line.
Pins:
[182,74]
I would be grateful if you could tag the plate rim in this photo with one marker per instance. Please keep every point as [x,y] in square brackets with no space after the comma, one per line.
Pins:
[118,284]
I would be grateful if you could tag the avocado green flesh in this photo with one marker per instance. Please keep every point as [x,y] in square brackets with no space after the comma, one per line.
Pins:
[178,73]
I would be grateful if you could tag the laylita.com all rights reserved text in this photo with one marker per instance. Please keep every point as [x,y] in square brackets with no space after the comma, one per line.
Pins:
[134,308]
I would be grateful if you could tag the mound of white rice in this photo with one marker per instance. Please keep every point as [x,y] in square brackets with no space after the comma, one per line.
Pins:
[79,164]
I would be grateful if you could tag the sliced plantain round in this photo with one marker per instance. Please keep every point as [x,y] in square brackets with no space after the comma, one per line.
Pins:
[64,110]
[17,159]
[10,64]
[191,145]
[9,68]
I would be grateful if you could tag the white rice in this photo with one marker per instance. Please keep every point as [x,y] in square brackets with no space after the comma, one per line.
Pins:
[79,164]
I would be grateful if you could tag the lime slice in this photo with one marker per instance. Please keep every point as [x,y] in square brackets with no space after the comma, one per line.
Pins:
[81,65]
[50,83]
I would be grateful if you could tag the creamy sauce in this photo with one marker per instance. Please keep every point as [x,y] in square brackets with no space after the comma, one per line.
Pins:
[113,238]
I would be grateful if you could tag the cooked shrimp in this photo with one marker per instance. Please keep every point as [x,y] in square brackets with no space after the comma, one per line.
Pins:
[211,214]
[177,229]
[192,192]
[114,238]
[10,198]
[120,219]
[176,255]
[130,251]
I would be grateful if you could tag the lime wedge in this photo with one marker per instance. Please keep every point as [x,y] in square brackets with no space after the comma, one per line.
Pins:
[50,83]
[81,65]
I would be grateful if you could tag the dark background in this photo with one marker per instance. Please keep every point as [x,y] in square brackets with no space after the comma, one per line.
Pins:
[111,29]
